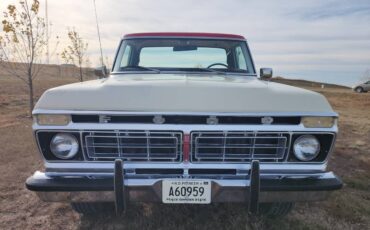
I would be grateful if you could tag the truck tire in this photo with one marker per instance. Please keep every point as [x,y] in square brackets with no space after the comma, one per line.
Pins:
[275,210]
[89,208]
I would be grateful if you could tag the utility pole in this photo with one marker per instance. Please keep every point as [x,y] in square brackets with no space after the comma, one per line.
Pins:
[97,27]
[47,32]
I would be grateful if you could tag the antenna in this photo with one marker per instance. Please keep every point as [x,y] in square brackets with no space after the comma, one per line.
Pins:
[47,32]
[97,27]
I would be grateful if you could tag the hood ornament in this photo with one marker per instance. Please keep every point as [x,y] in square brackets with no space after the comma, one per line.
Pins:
[267,120]
[158,119]
[212,120]
[104,118]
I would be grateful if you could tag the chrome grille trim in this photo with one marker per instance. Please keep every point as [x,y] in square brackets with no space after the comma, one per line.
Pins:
[239,146]
[162,146]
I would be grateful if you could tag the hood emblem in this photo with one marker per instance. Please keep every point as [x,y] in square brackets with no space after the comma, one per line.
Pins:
[267,120]
[158,119]
[212,120]
[104,119]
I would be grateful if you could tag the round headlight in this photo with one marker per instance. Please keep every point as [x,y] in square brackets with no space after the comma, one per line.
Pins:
[306,147]
[64,146]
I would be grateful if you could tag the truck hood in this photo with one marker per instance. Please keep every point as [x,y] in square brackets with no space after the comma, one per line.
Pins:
[182,93]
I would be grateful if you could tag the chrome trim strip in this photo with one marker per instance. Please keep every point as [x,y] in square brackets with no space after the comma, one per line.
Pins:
[184,72]
[222,182]
[113,112]
[186,129]
[107,167]
[184,37]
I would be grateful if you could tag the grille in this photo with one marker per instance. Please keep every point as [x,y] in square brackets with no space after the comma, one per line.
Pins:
[134,145]
[184,119]
[239,146]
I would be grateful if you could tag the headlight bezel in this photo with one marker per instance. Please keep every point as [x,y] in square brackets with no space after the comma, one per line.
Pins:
[327,143]
[67,137]
[300,156]
[43,139]
[52,119]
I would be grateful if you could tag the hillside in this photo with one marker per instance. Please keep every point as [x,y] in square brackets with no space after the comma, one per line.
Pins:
[306,83]
[48,71]
[71,71]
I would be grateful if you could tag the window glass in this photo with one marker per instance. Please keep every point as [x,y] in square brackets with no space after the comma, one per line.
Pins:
[240,60]
[126,56]
[182,54]
[202,57]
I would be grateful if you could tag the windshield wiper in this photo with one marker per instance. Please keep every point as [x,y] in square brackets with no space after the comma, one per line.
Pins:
[137,67]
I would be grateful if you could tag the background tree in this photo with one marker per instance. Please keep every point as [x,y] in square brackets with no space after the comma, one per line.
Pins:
[22,43]
[75,52]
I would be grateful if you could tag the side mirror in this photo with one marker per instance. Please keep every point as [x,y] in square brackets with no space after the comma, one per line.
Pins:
[101,72]
[265,73]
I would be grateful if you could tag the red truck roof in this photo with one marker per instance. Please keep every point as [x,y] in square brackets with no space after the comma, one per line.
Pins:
[185,34]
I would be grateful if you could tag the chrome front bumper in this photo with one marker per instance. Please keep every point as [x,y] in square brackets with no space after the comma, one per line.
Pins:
[272,188]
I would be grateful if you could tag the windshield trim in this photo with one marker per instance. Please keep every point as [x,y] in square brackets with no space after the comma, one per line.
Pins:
[187,37]
[254,71]
[182,72]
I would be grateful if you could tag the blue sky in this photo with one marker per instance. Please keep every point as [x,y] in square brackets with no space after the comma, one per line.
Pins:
[325,41]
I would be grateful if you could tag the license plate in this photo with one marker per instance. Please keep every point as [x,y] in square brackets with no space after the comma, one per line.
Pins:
[186,191]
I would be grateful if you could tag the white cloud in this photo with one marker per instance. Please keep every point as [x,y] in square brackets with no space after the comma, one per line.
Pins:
[312,39]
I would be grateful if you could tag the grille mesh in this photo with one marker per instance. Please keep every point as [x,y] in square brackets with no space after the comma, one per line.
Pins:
[239,146]
[206,146]
[134,145]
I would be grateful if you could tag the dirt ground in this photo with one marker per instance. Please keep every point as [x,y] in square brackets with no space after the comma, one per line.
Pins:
[348,208]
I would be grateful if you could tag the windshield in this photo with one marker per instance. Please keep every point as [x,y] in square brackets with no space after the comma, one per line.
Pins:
[180,54]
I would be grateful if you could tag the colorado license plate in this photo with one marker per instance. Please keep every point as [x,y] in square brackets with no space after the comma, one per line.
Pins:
[186,191]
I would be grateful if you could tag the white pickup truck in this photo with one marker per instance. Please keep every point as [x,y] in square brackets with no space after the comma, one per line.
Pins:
[183,118]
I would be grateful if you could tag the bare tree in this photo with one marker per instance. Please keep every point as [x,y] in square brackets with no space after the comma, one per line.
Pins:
[75,52]
[22,43]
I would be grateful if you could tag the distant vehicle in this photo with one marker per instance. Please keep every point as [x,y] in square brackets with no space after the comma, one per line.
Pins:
[362,88]
[183,118]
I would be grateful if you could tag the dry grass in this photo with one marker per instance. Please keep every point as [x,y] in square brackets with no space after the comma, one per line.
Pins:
[348,208]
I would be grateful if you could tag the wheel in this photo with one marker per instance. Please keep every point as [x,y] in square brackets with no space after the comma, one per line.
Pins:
[90,208]
[275,210]
[359,90]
